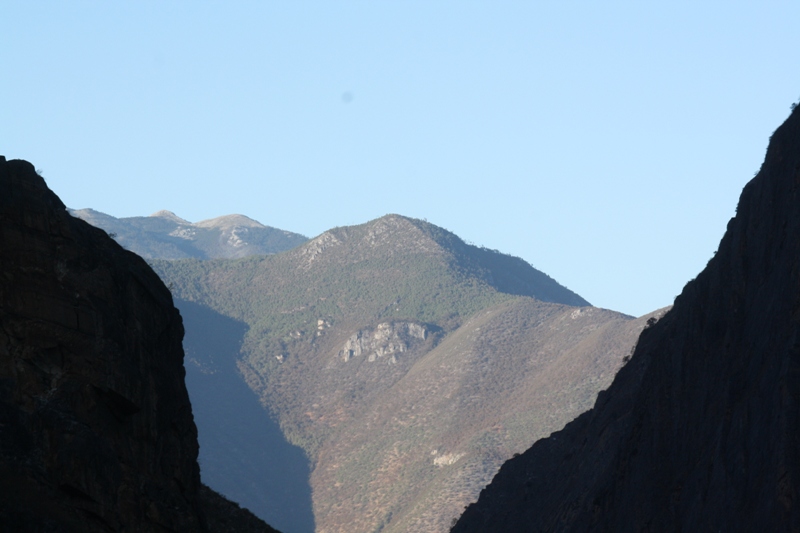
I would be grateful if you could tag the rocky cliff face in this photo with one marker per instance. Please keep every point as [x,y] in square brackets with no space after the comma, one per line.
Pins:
[701,430]
[96,429]
[390,339]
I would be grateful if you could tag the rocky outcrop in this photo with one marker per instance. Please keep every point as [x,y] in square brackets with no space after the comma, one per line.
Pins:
[701,430]
[386,339]
[96,428]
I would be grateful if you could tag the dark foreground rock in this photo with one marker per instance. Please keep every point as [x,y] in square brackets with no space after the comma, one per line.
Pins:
[96,428]
[701,430]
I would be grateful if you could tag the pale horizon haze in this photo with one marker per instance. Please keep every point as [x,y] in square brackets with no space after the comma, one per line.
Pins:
[604,143]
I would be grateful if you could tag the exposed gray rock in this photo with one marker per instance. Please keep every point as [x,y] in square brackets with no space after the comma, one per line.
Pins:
[388,338]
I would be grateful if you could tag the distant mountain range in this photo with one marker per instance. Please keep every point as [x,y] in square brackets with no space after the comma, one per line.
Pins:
[165,235]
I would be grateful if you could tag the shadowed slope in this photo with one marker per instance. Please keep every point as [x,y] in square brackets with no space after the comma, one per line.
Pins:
[243,453]
[506,273]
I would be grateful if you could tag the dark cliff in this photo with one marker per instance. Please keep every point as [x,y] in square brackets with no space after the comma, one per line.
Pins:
[96,428]
[701,430]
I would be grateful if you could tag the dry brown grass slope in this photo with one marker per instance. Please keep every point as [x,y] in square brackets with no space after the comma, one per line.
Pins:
[416,455]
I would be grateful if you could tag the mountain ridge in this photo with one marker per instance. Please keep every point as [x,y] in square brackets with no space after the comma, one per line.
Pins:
[227,221]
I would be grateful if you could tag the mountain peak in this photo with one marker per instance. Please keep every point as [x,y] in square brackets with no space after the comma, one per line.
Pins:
[392,233]
[229,221]
[395,239]
[169,215]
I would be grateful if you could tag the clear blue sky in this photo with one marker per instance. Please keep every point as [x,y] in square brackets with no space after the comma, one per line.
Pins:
[606,143]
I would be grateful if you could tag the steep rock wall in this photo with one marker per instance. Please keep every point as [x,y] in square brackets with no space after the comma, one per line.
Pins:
[96,428]
[701,430]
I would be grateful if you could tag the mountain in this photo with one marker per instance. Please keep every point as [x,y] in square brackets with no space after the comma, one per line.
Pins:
[96,429]
[405,364]
[166,235]
[699,432]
